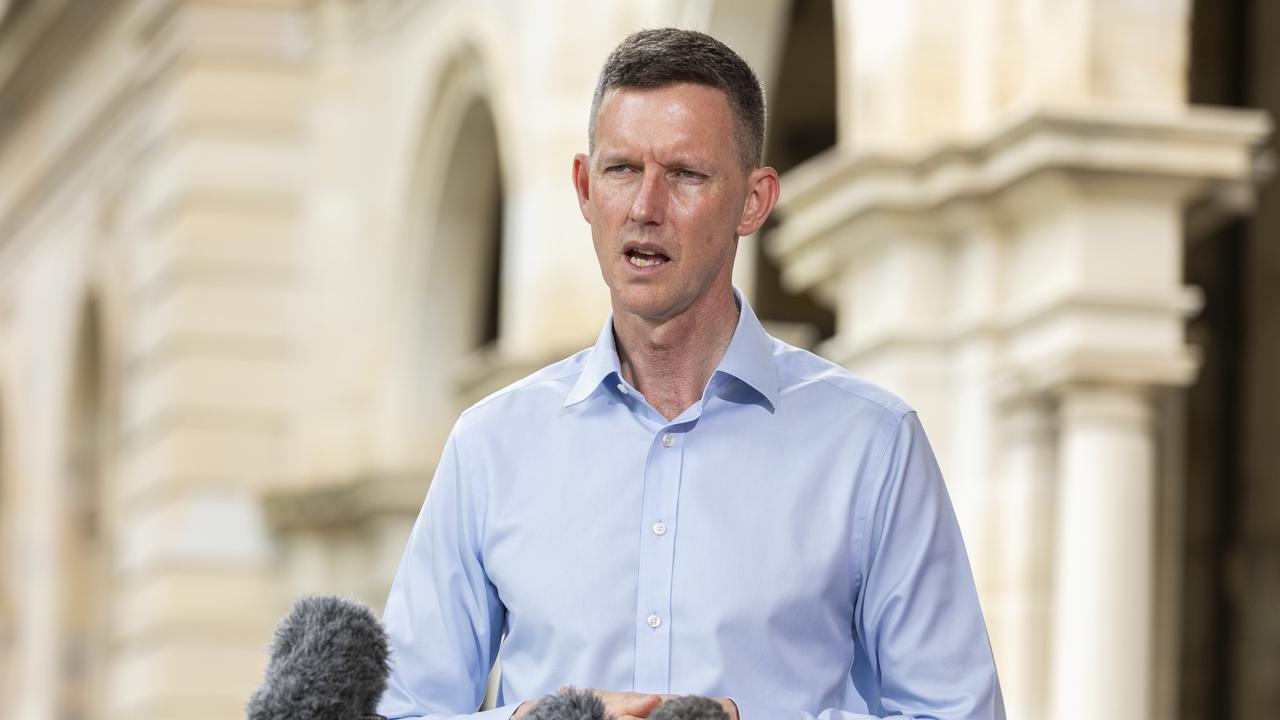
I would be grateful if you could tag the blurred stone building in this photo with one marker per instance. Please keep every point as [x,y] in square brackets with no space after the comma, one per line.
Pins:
[255,255]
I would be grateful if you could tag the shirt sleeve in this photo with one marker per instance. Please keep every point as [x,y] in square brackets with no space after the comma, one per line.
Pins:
[443,616]
[918,625]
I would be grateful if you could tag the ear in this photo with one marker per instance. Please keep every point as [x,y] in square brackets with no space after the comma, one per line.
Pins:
[582,183]
[762,194]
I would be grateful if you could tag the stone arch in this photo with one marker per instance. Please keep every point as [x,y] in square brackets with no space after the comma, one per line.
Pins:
[464,257]
[803,111]
[448,287]
[8,576]
[793,49]
[83,537]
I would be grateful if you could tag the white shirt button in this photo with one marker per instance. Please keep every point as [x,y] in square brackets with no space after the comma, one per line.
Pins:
[668,441]
[654,621]
[622,388]
[659,528]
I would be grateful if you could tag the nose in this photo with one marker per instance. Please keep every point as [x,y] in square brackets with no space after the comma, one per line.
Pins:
[649,204]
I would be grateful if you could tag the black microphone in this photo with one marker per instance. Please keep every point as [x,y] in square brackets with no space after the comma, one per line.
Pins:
[328,662]
[571,704]
[689,707]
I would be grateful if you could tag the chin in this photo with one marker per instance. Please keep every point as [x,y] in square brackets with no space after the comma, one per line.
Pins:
[654,303]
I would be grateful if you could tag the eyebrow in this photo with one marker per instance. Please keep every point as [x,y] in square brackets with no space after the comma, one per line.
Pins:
[691,163]
[679,162]
[606,160]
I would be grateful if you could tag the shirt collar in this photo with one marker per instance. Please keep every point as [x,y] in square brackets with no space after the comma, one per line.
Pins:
[602,362]
[749,358]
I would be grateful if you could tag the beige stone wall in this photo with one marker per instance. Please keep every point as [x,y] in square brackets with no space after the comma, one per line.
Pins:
[247,259]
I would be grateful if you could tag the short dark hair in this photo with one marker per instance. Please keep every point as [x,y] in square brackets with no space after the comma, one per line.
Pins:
[665,56]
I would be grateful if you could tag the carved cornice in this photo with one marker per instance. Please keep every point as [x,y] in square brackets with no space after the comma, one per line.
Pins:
[831,198]
[348,503]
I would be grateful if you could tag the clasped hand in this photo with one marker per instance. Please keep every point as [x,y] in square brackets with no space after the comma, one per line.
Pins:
[629,705]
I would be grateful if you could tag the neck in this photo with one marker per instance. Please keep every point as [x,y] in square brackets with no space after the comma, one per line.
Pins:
[670,361]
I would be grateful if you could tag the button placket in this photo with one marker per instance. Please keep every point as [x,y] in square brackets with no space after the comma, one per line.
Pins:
[657,555]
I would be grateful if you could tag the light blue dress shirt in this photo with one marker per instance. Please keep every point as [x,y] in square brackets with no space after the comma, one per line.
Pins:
[786,542]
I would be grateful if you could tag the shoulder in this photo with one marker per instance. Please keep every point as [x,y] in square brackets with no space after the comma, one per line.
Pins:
[818,380]
[535,394]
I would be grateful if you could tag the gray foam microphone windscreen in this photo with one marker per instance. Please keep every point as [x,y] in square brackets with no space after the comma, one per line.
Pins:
[328,661]
[689,707]
[571,704]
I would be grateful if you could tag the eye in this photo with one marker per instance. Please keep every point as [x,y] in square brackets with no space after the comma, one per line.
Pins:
[618,169]
[687,174]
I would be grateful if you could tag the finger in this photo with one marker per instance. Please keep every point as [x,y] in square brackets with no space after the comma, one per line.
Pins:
[641,707]
[634,707]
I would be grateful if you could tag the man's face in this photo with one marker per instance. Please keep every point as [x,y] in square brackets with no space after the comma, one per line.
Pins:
[667,197]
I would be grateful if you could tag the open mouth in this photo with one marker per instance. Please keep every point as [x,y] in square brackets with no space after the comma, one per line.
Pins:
[645,258]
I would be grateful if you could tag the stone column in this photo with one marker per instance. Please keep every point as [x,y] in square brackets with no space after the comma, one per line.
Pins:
[1019,613]
[1105,561]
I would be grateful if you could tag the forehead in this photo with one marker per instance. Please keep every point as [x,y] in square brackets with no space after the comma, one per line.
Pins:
[684,116]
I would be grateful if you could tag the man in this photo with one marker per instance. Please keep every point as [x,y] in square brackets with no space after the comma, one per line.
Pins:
[690,506]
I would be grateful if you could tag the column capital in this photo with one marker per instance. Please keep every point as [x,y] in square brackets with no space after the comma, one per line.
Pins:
[1027,417]
[1073,373]
[1127,404]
